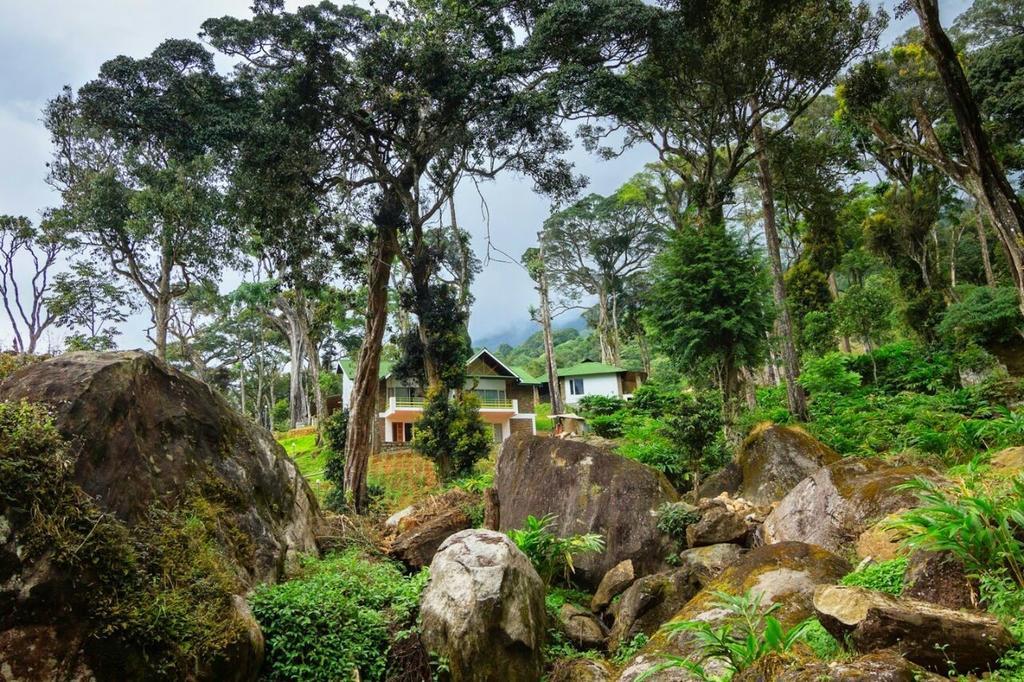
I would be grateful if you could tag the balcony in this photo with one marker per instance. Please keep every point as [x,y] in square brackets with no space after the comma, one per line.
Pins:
[409,409]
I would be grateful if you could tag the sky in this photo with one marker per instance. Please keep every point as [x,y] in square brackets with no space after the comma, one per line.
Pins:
[46,44]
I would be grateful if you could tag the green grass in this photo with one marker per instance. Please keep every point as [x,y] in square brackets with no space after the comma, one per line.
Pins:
[544,423]
[309,458]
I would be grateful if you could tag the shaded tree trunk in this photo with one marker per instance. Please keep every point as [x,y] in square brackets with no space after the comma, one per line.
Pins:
[983,173]
[161,321]
[790,361]
[363,411]
[986,261]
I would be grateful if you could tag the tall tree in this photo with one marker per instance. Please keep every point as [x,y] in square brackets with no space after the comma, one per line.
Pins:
[400,106]
[133,164]
[533,259]
[26,249]
[593,248]
[91,303]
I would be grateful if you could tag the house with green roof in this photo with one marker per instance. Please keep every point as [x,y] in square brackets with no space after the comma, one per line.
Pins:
[507,399]
[592,378]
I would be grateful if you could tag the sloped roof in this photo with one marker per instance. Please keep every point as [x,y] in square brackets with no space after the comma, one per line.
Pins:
[587,368]
[349,365]
[525,377]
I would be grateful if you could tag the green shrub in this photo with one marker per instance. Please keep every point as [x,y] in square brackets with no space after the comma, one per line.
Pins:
[984,529]
[983,316]
[829,373]
[673,519]
[644,440]
[907,366]
[549,553]
[281,414]
[654,399]
[818,333]
[600,406]
[885,576]
[607,425]
[544,422]
[821,642]
[748,633]
[451,434]
[335,430]
[338,616]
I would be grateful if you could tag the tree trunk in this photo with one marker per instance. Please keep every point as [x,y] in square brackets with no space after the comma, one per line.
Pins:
[992,188]
[604,328]
[790,361]
[990,277]
[295,393]
[363,411]
[549,341]
[161,320]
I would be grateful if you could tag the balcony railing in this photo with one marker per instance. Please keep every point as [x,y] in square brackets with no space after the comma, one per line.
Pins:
[395,403]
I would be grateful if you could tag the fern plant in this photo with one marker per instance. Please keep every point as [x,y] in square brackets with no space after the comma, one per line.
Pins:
[983,529]
[549,553]
[749,632]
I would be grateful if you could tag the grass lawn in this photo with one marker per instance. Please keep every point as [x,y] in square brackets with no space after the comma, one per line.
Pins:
[301,446]
[544,423]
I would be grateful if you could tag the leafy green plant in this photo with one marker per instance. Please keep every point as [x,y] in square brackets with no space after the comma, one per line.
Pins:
[627,650]
[673,518]
[821,642]
[885,576]
[549,553]
[748,633]
[336,617]
[829,373]
[600,406]
[451,434]
[607,425]
[983,529]
[1005,429]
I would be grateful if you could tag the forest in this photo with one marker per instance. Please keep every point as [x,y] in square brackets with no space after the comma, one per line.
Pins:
[818,279]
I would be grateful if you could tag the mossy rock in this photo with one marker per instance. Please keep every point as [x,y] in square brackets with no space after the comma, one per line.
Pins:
[773,459]
[836,504]
[785,573]
[138,507]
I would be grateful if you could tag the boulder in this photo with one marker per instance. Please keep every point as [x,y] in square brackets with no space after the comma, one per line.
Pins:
[618,578]
[651,601]
[1009,461]
[483,609]
[711,560]
[160,467]
[881,542]
[723,520]
[588,490]
[728,479]
[881,666]
[423,528]
[581,670]
[582,627]
[773,459]
[932,636]
[786,573]
[835,505]
[939,578]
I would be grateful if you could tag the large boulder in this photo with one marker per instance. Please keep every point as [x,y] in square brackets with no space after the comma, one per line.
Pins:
[483,609]
[724,520]
[773,459]
[836,504]
[163,500]
[651,601]
[932,636]
[786,573]
[939,578]
[588,490]
[618,578]
[581,627]
[710,561]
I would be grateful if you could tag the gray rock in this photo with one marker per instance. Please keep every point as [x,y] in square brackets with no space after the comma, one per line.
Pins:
[724,520]
[588,490]
[483,609]
[581,670]
[652,601]
[618,578]
[835,505]
[882,666]
[582,627]
[711,560]
[773,459]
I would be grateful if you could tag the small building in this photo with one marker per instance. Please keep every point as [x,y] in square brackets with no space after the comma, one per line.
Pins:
[507,399]
[591,378]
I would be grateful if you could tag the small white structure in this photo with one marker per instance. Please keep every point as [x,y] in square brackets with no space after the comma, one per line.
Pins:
[590,378]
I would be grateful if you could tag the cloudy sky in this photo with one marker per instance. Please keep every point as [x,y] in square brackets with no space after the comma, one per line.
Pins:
[46,44]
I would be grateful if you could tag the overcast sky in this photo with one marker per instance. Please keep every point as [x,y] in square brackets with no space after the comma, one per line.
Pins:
[46,44]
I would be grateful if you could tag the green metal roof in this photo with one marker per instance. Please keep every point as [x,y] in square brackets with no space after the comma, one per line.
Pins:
[525,377]
[349,365]
[587,368]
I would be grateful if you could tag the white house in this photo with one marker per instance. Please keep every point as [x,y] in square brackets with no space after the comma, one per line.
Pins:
[590,378]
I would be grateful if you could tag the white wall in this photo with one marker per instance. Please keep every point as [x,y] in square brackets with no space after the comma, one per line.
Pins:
[593,384]
[347,384]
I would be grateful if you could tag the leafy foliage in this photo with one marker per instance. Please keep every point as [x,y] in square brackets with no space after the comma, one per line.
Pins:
[829,372]
[673,519]
[451,434]
[550,554]
[885,576]
[340,614]
[335,430]
[748,633]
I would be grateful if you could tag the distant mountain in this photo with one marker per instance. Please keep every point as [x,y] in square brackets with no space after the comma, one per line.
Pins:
[515,335]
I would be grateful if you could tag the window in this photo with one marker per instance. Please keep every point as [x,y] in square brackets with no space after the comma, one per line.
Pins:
[498,432]
[488,395]
[575,386]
